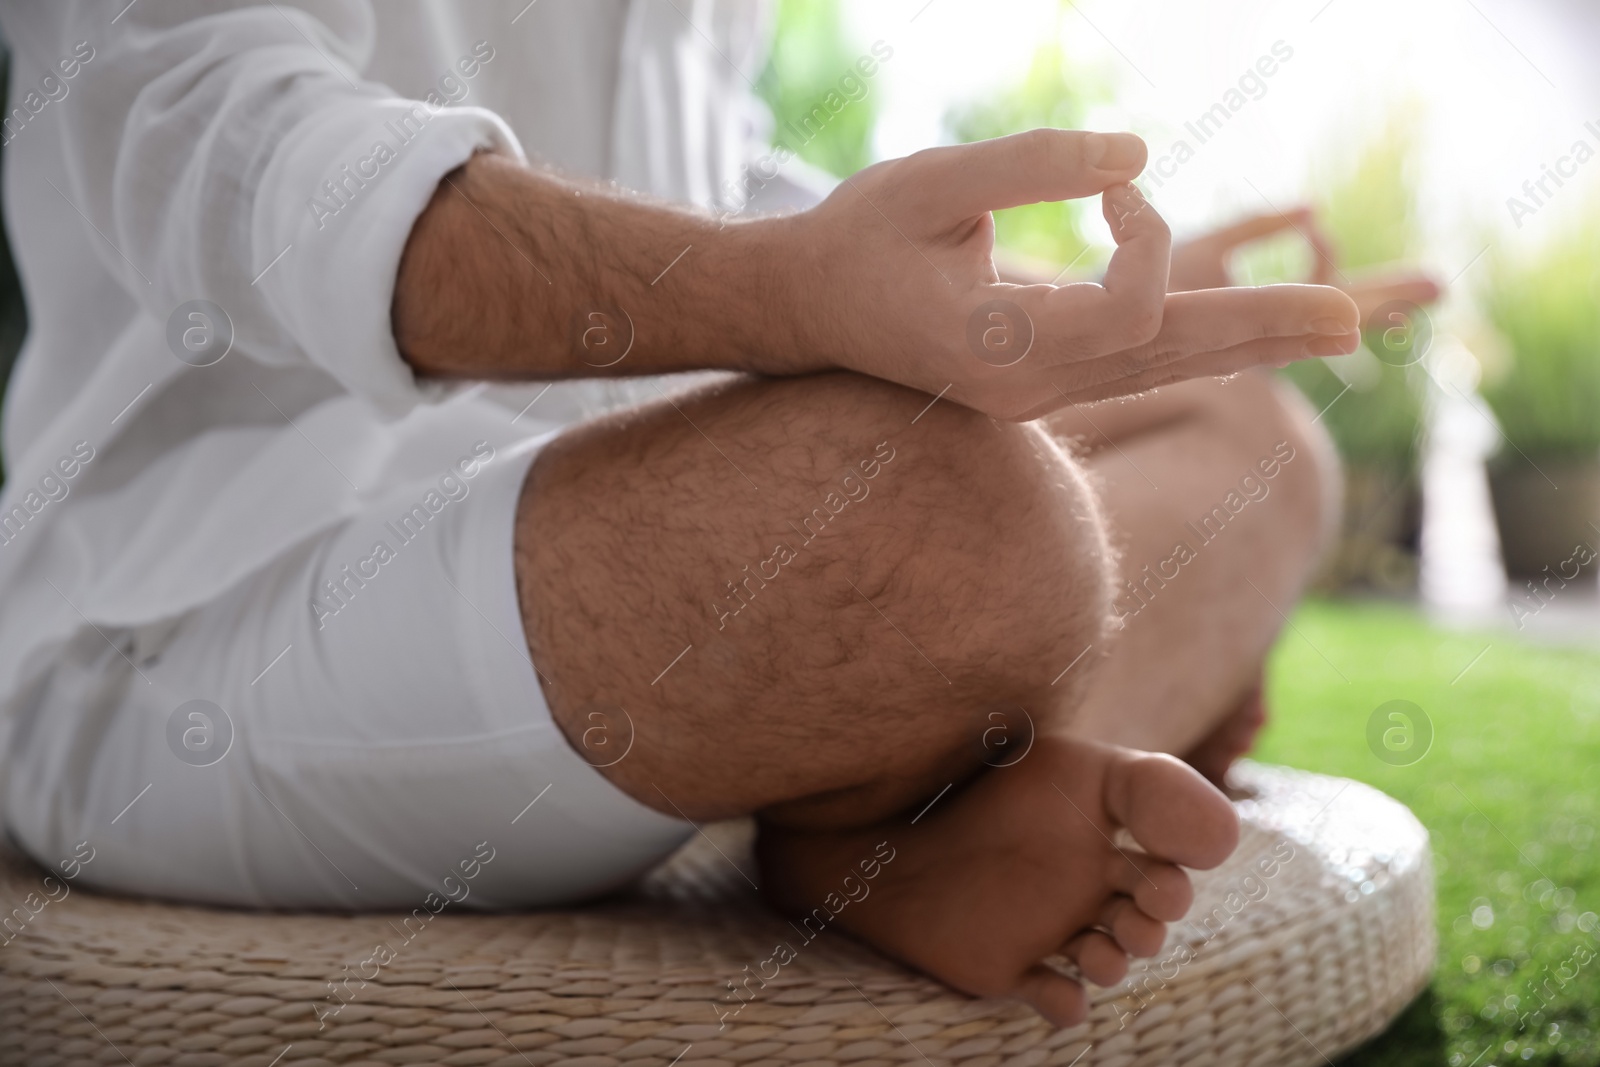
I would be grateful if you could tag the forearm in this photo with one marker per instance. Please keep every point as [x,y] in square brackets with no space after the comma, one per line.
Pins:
[513,272]
[516,273]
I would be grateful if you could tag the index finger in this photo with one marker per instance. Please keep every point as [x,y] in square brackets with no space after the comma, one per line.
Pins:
[1024,168]
[1256,227]
[1136,277]
[1302,220]
[1373,292]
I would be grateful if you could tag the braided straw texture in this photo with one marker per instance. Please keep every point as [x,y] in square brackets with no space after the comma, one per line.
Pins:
[1283,968]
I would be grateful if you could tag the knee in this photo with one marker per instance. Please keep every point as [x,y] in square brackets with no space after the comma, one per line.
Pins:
[976,575]
[1285,444]
[1002,554]
[1314,488]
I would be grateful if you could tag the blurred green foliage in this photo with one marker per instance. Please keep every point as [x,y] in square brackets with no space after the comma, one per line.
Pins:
[1547,307]
[813,49]
[1368,209]
[811,52]
[1052,92]
[1369,213]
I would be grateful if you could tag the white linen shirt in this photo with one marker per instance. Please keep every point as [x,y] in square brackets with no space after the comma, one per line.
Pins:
[169,151]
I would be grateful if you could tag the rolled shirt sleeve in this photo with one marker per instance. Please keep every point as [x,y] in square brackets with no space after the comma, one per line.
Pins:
[234,153]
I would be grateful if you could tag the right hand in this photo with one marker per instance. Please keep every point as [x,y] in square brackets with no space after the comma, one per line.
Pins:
[897,267]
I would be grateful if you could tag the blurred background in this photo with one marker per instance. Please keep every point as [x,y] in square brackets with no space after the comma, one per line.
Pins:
[1451,654]
[1411,128]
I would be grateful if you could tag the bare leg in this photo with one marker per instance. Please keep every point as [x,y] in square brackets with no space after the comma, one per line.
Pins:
[834,577]
[1189,647]
[808,595]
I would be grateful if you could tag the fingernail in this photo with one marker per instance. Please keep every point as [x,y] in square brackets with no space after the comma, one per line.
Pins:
[1329,325]
[1330,346]
[1113,151]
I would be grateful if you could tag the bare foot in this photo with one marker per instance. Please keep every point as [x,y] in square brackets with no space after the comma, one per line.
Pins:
[1233,738]
[1020,866]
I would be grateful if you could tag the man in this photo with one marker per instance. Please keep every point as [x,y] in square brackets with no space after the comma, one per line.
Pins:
[295,619]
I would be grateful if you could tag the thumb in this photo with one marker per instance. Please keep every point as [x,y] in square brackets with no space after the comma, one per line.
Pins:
[961,181]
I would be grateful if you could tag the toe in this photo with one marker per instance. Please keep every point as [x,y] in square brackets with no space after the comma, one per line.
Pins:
[1136,933]
[1161,890]
[1171,810]
[1098,957]
[1059,999]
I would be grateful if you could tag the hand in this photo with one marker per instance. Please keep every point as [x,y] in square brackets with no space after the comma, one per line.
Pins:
[1203,263]
[898,275]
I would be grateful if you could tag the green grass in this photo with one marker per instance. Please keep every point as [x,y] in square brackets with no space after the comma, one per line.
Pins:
[1508,792]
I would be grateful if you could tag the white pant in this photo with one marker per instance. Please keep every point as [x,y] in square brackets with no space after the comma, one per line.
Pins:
[265,751]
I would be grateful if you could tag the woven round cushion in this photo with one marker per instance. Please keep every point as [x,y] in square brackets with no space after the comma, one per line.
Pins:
[1309,940]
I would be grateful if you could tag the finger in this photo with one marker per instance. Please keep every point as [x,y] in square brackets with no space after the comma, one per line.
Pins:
[1324,260]
[1209,320]
[1059,999]
[1125,309]
[1302,220]
[1372,293]
[1135,933]
[1075,332]
[1098,958]
[1257,227]
[961,181]
[1295,321]
[1136,277]
[1266,351]
[1105,382]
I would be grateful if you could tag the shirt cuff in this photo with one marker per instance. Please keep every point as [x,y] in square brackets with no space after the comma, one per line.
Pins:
[333,212]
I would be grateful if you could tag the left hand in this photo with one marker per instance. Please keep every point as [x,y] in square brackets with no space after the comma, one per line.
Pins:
[1203,263]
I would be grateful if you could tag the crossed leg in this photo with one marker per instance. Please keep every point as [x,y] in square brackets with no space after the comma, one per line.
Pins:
[1163,465]
[815,596]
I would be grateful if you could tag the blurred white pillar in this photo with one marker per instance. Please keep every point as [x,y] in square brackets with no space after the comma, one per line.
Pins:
[1463,579]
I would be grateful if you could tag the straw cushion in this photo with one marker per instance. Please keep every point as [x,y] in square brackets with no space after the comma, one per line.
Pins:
[1310,940]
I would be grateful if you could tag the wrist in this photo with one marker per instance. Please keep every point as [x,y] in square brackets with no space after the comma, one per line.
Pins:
[781,290]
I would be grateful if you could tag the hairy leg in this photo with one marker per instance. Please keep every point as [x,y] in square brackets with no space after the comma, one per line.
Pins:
[811,597]
[1219,497]
[794,579]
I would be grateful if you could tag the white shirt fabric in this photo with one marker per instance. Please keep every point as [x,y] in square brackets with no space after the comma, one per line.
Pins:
[169,151]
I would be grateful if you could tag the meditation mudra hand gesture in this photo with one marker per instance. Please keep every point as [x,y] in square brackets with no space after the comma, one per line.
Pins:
[892,276]
[517,272]
[796,592]
[1204,263]
[907,246]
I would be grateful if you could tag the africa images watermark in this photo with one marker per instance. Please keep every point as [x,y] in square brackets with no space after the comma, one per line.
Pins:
[1553,979]
[1527,1004]
[340,191]
[53,487]
[1538,191]
[340,992]
[1554,578]
[854,488]
[51,89]
[337,594]
[15,921]
[853,888]
[1254,487]
[1399,732]
[1251,85]
[851,87]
